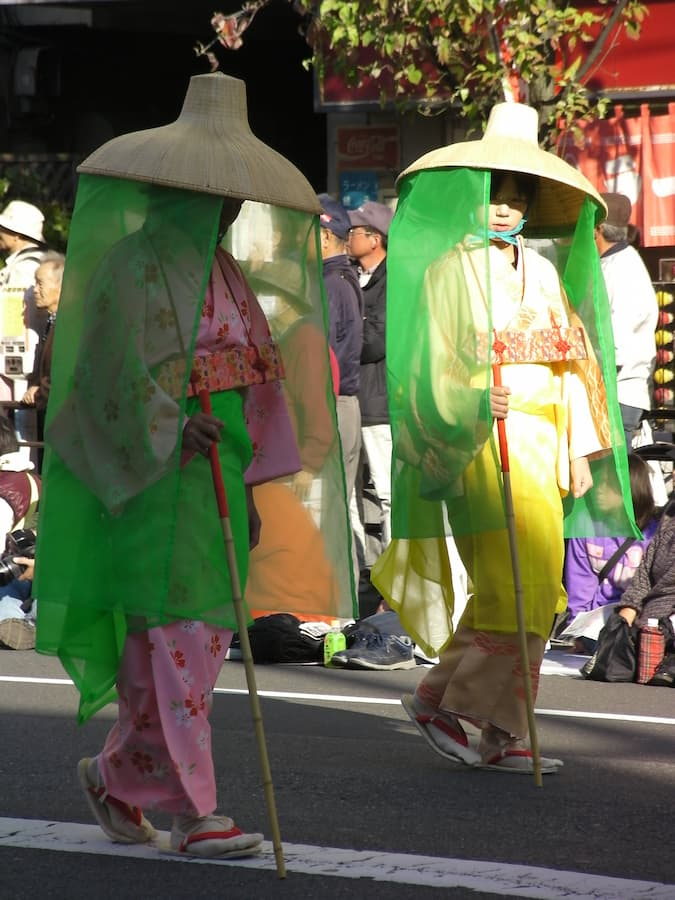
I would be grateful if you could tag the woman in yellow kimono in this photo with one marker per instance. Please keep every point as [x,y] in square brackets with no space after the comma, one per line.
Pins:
[486,300]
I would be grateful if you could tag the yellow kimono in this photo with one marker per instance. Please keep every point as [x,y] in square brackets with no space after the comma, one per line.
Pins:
[557,412]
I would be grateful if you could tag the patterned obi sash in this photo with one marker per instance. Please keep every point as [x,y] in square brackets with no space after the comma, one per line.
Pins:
[542,345]
[223,370]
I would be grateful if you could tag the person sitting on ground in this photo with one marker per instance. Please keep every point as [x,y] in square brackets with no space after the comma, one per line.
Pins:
[651,593]
[19,489]
[290,570]
[586,558]
[19,495]
[18,609]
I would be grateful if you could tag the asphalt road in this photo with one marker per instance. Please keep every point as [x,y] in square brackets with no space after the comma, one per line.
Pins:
[365,808]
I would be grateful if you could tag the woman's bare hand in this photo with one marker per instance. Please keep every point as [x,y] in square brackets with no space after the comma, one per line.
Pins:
[582,480]
[499,401]
[301,484]
[200,431]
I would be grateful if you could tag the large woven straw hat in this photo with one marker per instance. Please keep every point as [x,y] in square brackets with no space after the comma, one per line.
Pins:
[210,148]
[510,144]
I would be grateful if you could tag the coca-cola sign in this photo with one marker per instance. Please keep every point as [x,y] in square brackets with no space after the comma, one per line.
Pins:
[368,147]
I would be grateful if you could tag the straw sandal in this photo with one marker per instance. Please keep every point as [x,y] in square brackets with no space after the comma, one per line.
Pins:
[448,740]
[520,762]
[122,823]
[210,836]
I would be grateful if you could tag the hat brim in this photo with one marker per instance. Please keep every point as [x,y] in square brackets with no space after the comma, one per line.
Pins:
[562,188]
[357,219]
[210,149]
[10,225]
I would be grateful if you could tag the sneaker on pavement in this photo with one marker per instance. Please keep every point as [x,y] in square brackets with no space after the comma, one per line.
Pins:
[377,651]
[17,634]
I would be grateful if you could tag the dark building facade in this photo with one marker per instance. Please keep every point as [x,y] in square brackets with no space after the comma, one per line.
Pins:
[75,75]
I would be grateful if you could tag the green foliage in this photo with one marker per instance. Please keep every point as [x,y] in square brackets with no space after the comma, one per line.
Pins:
[470,53]
[57,224]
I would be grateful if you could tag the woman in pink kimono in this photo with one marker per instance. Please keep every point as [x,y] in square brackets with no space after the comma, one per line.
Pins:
[136,598]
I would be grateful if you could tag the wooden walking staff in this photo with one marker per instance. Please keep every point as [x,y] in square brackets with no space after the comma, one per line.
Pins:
[242,625]
[517,582]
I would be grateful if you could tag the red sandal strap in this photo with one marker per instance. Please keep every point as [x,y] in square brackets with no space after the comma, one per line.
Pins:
[505,754]
[210,836]
[133,813]
[457,736]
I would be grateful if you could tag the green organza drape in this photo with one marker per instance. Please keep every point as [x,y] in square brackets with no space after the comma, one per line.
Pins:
[116,515]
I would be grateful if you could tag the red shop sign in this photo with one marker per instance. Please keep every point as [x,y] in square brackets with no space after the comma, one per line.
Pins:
[636,157]
[367,147]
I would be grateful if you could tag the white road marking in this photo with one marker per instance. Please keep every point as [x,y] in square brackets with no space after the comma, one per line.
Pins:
[381,701]
[399,868]
[497,878]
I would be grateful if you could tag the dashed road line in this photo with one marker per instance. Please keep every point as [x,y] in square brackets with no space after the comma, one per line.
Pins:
[333,862]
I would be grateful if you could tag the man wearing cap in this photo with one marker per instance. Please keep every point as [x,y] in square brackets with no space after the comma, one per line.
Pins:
[634,308]
[22,244]
[345,335]
[367,244]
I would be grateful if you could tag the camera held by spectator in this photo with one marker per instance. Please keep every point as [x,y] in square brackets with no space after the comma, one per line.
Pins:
[19,543]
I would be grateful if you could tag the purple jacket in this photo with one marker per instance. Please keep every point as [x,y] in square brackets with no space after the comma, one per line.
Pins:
[585,558]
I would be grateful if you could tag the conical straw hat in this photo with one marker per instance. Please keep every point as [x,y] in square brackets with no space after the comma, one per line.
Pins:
[210,148]
[510,144]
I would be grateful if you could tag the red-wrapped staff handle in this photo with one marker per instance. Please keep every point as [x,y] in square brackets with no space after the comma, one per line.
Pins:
[218,486]
[501,423]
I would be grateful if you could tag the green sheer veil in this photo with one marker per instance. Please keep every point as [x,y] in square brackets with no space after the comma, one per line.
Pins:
[137,268]
[441,209]
[442,341]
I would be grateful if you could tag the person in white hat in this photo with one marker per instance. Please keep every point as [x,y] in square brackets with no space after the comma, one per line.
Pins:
[635,312]
[469,304]
[23,221]
[136,599]
[22,245]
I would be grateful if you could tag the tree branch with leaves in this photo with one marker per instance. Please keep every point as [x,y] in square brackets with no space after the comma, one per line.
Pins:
[432,55]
